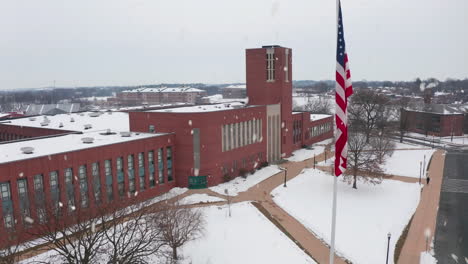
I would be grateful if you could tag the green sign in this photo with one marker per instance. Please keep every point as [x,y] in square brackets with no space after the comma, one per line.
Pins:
[197,182]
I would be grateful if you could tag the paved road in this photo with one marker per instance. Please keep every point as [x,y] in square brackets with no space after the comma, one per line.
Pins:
[451,240]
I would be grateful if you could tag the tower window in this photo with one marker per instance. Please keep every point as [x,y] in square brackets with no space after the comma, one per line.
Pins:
[270,65]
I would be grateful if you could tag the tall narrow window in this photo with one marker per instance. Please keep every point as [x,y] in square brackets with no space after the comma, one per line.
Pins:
[160,166]
[39,197]
[83,186]
[109,180]
[169,163]
[270,63]
[120,176]
[7,205]
[96,182]
[23,198]
[152,181]
[131,174]
[141,169]
[54,189]
[151,129]
[70,190]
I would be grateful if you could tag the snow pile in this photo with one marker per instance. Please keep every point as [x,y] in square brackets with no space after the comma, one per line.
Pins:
[427,258]
[200,198]
[406,162]
[240,184]
[364,216]
[245,237]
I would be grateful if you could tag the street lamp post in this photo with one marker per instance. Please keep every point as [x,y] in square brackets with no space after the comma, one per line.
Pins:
[388,245]
[424,165]
[420,172]
[314,161]
[285,176]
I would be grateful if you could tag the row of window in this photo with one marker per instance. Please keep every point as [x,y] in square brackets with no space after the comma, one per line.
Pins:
[11,136]
[319,130]
[270,65]
[82,180]
[243,164]
[241,134]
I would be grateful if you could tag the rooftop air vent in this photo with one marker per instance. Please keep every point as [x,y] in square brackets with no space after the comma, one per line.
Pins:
[108,132]
[44,123]
[72,119]
[81,114]
[87,126]
[94,114]
[87,140]
[125,134]
[61,124]
[32,119]
[27,150]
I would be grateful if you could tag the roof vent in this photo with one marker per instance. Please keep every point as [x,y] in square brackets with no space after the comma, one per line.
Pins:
[87,140]
[44,123]
[87,126]
[125,134]
[81,114]
[72,119]
[94,114]
[32,119]
[61,124]
[27,150]
[108,132]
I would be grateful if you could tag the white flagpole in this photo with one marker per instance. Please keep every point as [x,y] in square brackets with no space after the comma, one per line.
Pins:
[332,242]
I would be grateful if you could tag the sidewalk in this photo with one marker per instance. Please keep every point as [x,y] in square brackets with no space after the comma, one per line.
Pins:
[426,214]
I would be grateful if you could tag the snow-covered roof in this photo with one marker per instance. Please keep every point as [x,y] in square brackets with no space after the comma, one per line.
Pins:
[440,109]
[237,86]
[164,90]
[203,108]
[40,109]
[315,117]
[2,115]
[54,145]
[77,121]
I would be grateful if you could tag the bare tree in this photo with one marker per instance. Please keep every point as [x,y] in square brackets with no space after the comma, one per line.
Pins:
[367,111]
[71,234]
[179,225]
[132,234]
[9,254]
[321,106]
[364,159]
[382,146]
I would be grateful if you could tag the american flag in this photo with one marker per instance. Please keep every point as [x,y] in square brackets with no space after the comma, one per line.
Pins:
[343,89]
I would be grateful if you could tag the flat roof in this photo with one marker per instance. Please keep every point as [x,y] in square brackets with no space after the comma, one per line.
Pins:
[315,117]
[236,86]
[10,152]
[204,108]
[99,121]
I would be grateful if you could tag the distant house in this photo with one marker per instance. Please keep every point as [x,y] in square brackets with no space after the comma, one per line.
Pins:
[435,119]
[235,91]
[158,96]
[49,109]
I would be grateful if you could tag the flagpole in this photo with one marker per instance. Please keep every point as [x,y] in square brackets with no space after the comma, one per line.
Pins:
[332,241]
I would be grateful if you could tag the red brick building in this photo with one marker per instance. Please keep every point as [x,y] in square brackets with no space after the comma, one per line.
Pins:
[84,159]
[433,119]
[159,96]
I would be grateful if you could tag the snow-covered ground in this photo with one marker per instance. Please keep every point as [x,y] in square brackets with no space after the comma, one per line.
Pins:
[200,198]
[364,216]
[406,162]
[303,154]
[240,184]
[245,237]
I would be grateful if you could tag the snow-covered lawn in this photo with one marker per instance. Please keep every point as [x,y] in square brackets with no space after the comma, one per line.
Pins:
[200,198]
[303,154]
[245,237]
[364,216]
[240,184]
[406,162]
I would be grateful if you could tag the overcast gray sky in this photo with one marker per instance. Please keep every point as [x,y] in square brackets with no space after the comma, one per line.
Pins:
[123,42]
